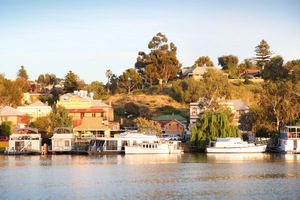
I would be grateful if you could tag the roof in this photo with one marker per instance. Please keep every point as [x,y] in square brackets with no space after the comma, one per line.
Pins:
[37,103]
[86,110]
[9,111]
[91,123]
[170,118]
[98,103]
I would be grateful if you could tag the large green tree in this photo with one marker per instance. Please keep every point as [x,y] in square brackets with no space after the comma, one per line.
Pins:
[263,54]
[187,90]
[204,61]
[10,92]
[71,83]
[129,80]
[274,70]
[229,64]
[42,124]
[98,89]
[161,63]
[213,86]
[59,117]
[147,126]
[212,125]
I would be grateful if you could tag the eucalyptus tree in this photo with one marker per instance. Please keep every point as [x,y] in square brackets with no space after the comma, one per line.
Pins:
[22,79]
[204,61]
[129,80]
[229,64]
[148,126]
[113,87]
[263,54]
[161,63]
[187,90]
[214,85]
[98,89]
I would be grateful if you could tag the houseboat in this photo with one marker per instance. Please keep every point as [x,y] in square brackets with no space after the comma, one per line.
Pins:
[133,143]
[62,140]
[24,141]
[234,145]
[289,141]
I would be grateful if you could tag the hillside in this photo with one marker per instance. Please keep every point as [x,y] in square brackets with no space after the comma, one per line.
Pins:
[151,101]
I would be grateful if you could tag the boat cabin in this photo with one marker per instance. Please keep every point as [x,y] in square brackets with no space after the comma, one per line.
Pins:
[289,141]
[62,140]
[24,141]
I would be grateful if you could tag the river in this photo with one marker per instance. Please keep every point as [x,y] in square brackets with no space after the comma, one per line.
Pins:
[185,176]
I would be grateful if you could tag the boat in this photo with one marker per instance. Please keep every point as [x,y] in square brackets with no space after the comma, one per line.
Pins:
[289,141]
[62,140]
[24,141]
[234,145]
[132,143]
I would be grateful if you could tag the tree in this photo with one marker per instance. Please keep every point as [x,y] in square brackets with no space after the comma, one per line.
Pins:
[59,117]
[108,74]
[162,57]
[229,64]
[147,126]
[113,87]
[22,73]
[263,54]
[204,61]
[213,86]
[10,92]
[98,89]
[212,125]
[42,124]
[188,90]
[129,80]
[274,70]
[71,82]
[6,127]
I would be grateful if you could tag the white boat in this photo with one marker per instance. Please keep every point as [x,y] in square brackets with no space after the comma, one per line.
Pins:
[133,143]
[24,141]
[234,145]
[62,140]
[289,141]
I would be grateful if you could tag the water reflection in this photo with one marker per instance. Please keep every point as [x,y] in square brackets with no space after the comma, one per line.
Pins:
[236,158]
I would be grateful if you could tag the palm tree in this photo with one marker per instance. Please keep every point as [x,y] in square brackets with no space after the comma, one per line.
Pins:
[108,74]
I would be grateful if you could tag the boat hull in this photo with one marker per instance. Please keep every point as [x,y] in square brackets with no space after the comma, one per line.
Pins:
[253,149]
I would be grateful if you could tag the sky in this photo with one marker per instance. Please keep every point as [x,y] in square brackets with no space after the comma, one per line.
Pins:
[89,37]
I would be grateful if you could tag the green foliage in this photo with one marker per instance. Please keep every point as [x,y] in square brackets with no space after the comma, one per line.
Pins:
[168,110]
[72,82]
[263,54]
[161,64]
[10,92]
[147,126]
[98,89]
[6,127]
[59,117]
[22,73]
[187,90]
[129,80]
[229,64]
[132,110]
[274,70]
[212,125]
[42,124]
[204,61]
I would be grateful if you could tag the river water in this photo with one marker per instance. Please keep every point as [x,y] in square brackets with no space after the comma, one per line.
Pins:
[185,176]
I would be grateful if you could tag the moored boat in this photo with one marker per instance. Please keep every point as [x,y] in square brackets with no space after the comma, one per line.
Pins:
[24,141]
[62,140]
[234,145]
[289,141]
[133,143]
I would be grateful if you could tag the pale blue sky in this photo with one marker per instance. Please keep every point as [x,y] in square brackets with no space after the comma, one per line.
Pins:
[89,37]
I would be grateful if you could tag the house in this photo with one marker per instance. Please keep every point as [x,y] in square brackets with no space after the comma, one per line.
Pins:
[176,124]
[8,113]
[35,110]
[175,127]
[90,117]
[195,73]
[237,106]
